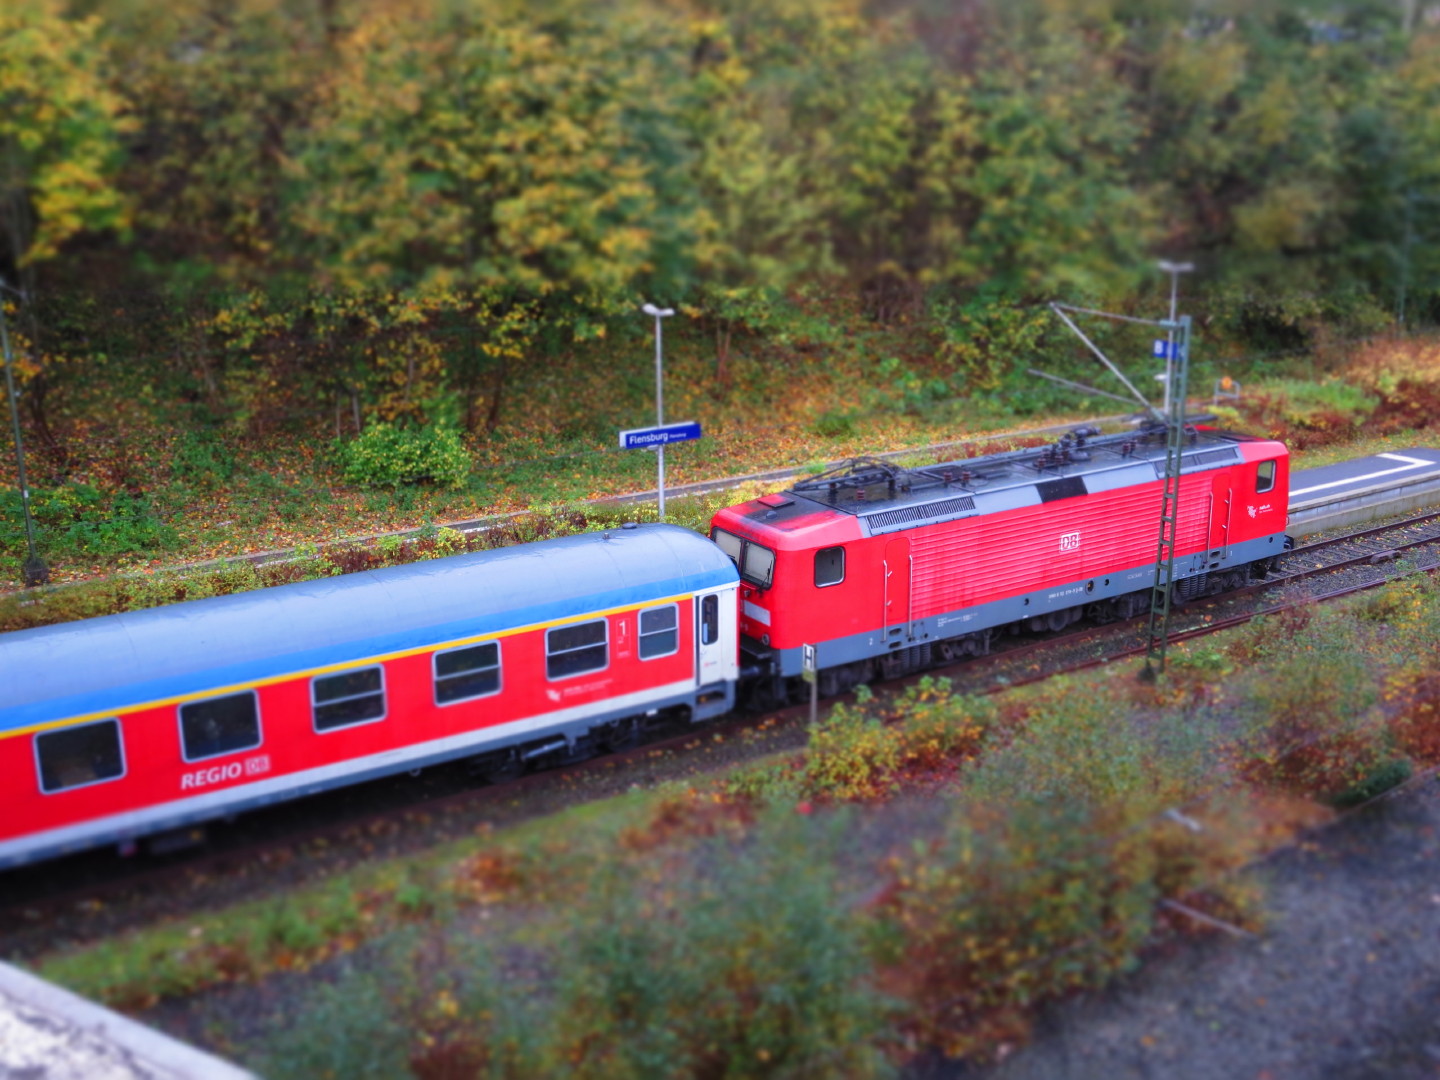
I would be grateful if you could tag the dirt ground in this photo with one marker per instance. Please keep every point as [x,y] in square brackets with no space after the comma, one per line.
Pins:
[1344,984]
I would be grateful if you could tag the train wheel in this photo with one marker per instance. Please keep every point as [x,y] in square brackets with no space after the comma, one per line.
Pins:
[619,736]
[496,768]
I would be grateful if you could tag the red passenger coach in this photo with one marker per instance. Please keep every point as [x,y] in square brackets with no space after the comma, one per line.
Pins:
[887,570]
[122,726]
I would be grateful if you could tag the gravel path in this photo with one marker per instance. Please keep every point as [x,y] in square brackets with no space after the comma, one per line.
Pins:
[1343,985]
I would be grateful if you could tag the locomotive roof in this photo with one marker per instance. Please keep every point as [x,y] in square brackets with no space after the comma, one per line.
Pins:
[886,498]
[85,667]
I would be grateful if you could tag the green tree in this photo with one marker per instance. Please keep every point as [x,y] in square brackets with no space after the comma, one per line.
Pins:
[60,136]
[1034,165]
[60,129]
[455,147]
[218,89]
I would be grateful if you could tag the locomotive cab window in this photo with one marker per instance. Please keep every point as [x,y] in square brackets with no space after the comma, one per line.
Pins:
[220,725]
[829,566]
[79,756]
[349,697]
[1264,477]
[755,561]
[659,632]
[471,672]
[759,565]
[574,650]
[729,543]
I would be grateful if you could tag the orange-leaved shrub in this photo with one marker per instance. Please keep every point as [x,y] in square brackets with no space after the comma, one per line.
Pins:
[1313,723]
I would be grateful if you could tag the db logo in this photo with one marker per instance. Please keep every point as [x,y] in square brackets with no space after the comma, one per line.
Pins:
[220,774]
[1070,541]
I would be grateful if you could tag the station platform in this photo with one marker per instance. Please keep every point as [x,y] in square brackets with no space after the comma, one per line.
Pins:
[47,1033]
[1366,488]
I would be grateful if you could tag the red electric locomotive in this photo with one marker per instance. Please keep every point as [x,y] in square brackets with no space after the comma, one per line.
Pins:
[886,570]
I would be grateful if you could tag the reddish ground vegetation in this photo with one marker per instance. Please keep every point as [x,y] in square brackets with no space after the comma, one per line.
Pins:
[694,814]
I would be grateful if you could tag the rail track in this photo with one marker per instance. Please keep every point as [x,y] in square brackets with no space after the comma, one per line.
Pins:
[402,813]
[1374,555]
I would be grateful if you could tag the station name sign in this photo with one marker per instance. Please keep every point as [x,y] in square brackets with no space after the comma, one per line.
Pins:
[648,438]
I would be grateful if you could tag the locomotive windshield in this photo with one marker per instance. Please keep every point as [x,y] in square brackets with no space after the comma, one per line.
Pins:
[729,543]
[759,565]
[755,561]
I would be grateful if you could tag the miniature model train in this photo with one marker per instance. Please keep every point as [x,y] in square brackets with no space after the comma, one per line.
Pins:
[125,726]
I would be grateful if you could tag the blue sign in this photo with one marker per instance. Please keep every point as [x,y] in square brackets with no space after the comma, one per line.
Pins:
[1161,350]
[651,437]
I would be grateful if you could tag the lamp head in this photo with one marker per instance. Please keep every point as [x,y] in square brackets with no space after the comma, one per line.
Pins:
[657,312]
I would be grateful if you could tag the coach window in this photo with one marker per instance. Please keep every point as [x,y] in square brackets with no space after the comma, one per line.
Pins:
[710,620]
[471,672]
[220,725]
[573,650]
[1264,477]
[350,697]
[79,756]
[659,632]
[829,566]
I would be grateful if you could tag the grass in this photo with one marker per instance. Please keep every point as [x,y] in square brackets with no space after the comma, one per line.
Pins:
[1040,878]
[204,492]
[595,933]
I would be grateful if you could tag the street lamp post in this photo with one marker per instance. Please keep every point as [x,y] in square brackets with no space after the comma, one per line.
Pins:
[1174,269]
[35,571]
[659,313]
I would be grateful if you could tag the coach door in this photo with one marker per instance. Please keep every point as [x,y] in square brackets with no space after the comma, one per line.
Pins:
[710,638]
[896,617]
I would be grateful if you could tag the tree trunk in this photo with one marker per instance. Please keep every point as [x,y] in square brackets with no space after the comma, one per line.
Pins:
[492,419]
[723,330]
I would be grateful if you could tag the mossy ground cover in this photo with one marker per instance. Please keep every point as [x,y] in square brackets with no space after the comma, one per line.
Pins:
[289,494]
[137,483]
[929,869]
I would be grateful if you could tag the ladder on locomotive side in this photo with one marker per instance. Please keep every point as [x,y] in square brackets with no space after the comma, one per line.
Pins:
[1176,350]
[1163,590]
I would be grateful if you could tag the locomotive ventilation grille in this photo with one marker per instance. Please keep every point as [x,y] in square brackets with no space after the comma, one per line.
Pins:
[887,519]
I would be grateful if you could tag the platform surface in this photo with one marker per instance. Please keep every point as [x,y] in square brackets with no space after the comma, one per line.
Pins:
[1361,474]
[47,1033]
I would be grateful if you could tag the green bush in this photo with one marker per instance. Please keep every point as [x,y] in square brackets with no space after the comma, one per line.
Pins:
[1018,904]
[851,756]
[80,521]
[834,425]
[746,964]
[384,455]
[199,458]
[933,725]
[1071,745]
[348,1029]
[1313,727]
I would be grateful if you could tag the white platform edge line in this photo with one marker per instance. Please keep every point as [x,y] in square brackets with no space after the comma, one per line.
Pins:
[1413,463]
